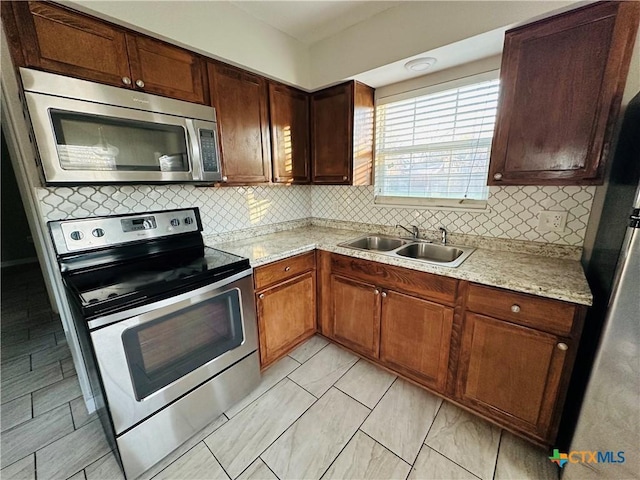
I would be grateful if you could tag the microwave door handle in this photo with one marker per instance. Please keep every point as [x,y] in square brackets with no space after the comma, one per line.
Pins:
[194,150]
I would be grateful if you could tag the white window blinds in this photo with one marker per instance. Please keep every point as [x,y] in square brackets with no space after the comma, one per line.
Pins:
[436,147]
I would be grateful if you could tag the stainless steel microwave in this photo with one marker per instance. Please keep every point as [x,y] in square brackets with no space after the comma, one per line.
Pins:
[88,133]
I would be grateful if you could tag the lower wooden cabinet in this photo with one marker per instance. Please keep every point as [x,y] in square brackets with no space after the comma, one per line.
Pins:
[355,317]
[286,305]
[415,338]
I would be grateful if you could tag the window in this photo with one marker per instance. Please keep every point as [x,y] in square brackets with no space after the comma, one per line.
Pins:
[433,145]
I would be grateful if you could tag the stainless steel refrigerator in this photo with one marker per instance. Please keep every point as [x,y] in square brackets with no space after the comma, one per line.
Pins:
[609,419]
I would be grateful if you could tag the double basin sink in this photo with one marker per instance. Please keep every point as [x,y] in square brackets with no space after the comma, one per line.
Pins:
[422,250]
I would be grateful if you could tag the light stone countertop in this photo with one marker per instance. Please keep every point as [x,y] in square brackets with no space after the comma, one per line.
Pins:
[557,278]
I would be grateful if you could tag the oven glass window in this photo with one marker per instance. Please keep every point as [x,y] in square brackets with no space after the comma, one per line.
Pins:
[94,142]
[163,350]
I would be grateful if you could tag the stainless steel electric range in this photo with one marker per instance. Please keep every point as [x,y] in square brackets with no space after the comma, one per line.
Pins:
[167,326]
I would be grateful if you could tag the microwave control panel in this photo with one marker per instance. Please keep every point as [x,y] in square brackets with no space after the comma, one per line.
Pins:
[208,146]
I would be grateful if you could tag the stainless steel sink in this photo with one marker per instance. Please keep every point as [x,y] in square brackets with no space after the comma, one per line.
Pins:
[378,243]
[429,251]
[421,250]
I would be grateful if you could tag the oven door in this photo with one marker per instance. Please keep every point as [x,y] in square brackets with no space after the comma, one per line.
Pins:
[150,360]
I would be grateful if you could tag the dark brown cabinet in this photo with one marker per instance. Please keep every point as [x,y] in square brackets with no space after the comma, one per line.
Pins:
[240,99]
[342,126]
[355,315]
[59,40]
[415,338]
[286,305]
[562,80]
[289,121]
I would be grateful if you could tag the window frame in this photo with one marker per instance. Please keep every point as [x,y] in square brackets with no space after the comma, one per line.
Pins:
[432,202]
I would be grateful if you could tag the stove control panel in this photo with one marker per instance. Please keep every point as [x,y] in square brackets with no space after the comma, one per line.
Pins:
[92,233]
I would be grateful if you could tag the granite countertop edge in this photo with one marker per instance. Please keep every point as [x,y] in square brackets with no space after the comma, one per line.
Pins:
[509,270]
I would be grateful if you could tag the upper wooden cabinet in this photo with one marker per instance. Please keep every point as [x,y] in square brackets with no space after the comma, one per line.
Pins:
[562,80]
[342,126]
[55,39]
[240,99]
[289,115]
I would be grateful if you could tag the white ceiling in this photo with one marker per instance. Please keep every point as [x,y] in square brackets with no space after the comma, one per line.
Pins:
[312,21]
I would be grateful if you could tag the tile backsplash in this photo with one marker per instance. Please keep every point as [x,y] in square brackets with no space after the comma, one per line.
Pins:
[512,211]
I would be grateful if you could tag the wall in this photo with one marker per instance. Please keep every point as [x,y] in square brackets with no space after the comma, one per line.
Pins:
[213,28]
[223,209]
[16,248]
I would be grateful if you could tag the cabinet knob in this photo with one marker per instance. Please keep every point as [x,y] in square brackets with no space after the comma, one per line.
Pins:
[376,292]
[497,176]
[345,178]
[515,308]
[140,83]
[286,269]
[277,179]
[563,346]
[224,179]
[384,294]
[126,80]
[261,296]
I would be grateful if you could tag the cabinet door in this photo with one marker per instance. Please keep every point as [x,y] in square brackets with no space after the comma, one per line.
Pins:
[561,83]
[241,102]
[415,338]
[61,41]
[157,67]
[510,372]
[289,112]
[286,316]
[332,134]
[356,315]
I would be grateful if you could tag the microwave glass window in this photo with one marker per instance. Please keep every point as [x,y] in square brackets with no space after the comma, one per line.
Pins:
[163,350]
[94,142]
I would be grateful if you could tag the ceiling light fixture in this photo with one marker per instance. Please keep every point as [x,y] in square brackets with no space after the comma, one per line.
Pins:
[420,64]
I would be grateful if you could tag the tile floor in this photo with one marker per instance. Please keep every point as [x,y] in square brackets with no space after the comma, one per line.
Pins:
[319,412]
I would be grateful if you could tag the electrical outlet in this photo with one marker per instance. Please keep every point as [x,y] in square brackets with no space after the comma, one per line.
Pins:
[552,221]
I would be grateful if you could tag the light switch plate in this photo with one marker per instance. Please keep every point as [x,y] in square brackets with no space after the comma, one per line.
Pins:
[552,221]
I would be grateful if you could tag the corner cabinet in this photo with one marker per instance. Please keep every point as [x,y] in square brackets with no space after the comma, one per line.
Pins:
[562,80]
[289,120]
[342,126]
[240,99]
[286,305]
[53,38]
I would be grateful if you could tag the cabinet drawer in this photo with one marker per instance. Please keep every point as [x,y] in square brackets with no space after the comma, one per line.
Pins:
[542,313]
[283,269]
[425,285]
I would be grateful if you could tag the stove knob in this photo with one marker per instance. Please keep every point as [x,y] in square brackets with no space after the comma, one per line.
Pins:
[76,235]
[97,232]
[188,220]
[175,222]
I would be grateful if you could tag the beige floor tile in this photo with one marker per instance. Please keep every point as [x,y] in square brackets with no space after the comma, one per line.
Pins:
[197,463]
[15,412]
[308,349]
[519,460]
[258,470]
[466,439]
[364,458]
[78,476]
[322,370]
[309,446]
[270,377]
[402,418]
[72,453]
[430,465]
[105,468]
[34,434]
[366,383]
[80,414]
[243,438]
[24,469]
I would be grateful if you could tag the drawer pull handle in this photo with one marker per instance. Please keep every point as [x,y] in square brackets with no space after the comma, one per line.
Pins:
[376,292]
[286,269]
[261,296]
[515,308]
[384,294]
[563,346]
